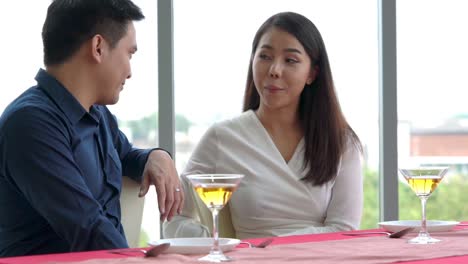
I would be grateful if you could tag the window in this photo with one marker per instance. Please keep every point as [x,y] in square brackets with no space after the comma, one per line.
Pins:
[212,51]
[432,113]
[21,46]
[138,105]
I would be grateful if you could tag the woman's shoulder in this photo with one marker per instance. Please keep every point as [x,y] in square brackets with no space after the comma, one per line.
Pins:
[353,146]
[351,139]
[241,126]
[245,119]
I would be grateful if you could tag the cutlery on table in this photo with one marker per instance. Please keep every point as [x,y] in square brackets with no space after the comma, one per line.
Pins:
[390,235]
[151,252]
[262,244]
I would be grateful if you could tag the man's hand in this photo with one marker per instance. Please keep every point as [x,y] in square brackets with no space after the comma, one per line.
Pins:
[161,172]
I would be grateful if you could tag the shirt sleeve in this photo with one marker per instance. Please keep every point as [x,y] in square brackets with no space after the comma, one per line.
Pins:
[345,208]
[133,159]
[202,161]
[41,166]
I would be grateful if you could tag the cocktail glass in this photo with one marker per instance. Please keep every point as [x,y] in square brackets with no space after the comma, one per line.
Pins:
[215,190]
[423,181]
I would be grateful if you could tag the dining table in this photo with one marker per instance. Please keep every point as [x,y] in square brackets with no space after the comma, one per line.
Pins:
[335,247]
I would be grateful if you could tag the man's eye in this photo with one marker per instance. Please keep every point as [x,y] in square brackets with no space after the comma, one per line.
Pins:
[264,57]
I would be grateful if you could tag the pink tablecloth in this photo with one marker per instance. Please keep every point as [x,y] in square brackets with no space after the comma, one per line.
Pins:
[297,249]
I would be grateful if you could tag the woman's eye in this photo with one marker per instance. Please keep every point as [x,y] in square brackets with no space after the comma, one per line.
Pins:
[290,60]
[264,57]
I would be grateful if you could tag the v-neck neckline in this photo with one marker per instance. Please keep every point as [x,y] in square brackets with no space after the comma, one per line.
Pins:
[293,158]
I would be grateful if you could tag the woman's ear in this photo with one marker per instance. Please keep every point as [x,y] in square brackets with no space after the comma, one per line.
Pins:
[313,74]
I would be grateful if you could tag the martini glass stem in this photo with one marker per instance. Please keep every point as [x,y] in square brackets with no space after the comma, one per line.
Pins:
[215,248]
[423,231]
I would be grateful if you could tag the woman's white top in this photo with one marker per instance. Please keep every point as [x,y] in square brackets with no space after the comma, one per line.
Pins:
[271,200]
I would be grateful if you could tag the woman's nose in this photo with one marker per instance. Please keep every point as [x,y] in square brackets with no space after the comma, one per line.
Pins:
[275,70]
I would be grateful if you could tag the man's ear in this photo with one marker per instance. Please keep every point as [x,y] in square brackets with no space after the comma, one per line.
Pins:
[98,46]
[313,74]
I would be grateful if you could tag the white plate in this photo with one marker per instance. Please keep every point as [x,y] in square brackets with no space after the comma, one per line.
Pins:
[195,245]
[432,225]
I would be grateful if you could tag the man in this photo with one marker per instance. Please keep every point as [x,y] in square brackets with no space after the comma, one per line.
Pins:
[62,155]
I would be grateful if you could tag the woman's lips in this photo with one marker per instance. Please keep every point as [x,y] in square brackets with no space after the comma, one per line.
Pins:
[273,89]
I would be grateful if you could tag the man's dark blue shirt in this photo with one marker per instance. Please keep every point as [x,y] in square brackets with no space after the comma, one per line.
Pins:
[60,173]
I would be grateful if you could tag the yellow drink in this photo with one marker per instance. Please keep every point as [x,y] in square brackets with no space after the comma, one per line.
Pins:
[424,185]
[215,195]
[423,181]
[215,190]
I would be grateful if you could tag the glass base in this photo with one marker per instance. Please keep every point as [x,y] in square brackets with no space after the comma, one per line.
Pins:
[215,257]
[423,239]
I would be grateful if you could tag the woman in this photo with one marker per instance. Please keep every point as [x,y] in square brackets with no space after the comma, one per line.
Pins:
[300,158]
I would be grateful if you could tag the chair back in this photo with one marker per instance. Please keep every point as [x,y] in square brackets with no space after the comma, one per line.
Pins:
[132,210]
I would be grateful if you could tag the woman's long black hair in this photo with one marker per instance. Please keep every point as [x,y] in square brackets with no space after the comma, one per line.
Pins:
[326,131]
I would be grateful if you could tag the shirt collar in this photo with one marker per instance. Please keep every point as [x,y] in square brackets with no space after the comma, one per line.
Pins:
[63,98]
